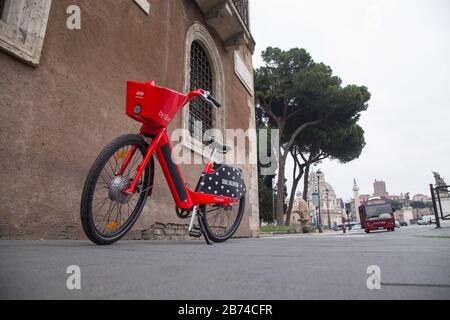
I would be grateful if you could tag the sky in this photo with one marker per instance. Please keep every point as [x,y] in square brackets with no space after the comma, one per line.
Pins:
[400,50]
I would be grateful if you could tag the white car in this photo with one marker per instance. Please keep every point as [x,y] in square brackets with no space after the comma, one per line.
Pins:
[356,227]
[426,220]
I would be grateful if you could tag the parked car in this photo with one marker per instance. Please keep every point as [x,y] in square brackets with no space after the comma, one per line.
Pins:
[397,224]
[356,226]
[403,223]
[421,222]
[426,220]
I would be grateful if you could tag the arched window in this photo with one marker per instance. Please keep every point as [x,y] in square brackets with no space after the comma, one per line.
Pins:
[203,70]
[201,76]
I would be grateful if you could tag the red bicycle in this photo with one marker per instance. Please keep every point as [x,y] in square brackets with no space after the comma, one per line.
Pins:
[121,178]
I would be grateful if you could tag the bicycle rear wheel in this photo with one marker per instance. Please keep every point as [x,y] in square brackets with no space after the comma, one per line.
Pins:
[220,222]
[107,213]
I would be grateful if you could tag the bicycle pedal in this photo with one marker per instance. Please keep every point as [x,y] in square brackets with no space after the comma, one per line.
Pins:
[195,233]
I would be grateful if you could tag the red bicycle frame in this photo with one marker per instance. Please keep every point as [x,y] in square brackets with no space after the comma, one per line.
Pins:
[184,197]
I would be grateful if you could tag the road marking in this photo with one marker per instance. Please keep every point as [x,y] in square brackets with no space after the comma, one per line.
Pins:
[416,285]
[282,237]
[312,235]
[349,236]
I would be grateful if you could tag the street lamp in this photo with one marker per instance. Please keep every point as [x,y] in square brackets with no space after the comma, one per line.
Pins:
[318,174]
[328,209]
[273,208]
[273,205]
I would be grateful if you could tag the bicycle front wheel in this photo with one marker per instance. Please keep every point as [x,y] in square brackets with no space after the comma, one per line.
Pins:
[222,222]
[107,212]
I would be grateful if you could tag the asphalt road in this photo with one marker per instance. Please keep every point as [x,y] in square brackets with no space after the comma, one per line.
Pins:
[414,264]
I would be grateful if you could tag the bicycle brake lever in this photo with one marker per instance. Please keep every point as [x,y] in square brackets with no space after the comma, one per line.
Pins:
[210,99]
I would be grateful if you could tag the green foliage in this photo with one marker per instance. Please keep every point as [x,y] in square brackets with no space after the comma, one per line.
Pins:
[284,197]
[397,205]
[267,198]
[344,143]
[261,119]
[293,86]
[266,201]
[417,204]
[278,229]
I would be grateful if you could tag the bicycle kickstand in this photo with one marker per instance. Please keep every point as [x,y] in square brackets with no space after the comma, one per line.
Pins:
[202,229]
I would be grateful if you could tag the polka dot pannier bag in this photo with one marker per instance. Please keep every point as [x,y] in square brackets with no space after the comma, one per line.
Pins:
[225,181]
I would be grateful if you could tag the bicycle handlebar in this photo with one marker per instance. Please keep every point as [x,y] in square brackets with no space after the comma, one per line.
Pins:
[216,103]
[206,95]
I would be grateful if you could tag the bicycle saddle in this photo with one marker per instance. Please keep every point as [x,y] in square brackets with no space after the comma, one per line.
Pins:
[223,148]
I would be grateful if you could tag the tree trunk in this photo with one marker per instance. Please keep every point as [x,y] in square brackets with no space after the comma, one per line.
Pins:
[292,196]
[287,222]
[305,183]
[280,189]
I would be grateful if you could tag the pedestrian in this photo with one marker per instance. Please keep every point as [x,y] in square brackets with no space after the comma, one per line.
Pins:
[343,223]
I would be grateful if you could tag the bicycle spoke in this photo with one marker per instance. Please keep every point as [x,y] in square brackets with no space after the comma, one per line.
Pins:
[98,209]
[222,216]
[213,220]
[109,215]
[100,199]
[145,190]
[109,210]
[119,212]
[106,183]
[122,218]
[129,210]
[132,166]
[113,173]
[221,220]
[99,205]
[228,220]
[98,218]
[116,168]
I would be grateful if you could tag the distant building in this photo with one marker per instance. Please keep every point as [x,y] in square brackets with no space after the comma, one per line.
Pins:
[379,189]
[421,197]
[363,198]
[329,202]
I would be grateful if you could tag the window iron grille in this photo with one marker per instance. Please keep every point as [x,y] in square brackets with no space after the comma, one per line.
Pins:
[200,112]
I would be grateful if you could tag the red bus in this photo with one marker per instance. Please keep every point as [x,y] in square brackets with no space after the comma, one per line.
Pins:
[377,214]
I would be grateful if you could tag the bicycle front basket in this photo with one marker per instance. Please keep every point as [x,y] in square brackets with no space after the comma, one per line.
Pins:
[149,103]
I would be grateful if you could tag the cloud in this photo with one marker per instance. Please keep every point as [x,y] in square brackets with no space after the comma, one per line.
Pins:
[373,17]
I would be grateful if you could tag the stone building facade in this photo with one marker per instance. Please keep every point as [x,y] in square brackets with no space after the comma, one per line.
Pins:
[330,205]
[62,99]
